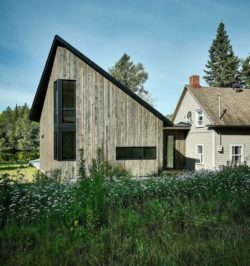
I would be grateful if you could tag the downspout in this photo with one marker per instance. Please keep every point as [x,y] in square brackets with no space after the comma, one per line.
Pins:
[219,106]
[219,132]
[214,149]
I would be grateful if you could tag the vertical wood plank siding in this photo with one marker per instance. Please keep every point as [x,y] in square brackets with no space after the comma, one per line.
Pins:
[106,117]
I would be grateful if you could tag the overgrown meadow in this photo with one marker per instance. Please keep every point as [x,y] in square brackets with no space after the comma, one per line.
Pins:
[109,218]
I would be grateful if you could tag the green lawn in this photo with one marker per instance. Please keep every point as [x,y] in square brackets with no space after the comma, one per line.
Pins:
[18,170]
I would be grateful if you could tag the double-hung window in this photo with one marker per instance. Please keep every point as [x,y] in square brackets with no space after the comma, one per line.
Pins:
[237,154]
[200,154]
[199,118]
[64,120]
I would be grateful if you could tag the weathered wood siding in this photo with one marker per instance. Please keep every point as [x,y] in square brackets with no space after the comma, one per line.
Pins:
[106,117]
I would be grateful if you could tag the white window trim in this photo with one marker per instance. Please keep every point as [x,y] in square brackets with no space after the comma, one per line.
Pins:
[200,163]
[196,117]
[242,151]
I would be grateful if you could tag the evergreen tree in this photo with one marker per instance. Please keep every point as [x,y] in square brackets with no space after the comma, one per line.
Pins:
[17,132]
[132,76]
[245,72]
[222,67]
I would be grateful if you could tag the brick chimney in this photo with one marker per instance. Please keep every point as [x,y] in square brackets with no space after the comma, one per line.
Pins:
[194,81]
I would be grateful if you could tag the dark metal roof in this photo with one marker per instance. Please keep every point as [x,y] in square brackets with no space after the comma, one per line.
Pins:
[36,109]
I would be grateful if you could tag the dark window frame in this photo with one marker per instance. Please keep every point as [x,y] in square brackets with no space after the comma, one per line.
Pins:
[59,126]
[120,158]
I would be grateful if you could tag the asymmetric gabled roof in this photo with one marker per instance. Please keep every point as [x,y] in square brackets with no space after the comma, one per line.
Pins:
[234,106]
[36,109]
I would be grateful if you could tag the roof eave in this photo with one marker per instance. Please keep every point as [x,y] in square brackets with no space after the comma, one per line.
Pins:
[229,126]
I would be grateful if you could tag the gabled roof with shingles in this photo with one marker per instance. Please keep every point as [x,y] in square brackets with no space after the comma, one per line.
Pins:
[234,106]
[36,109]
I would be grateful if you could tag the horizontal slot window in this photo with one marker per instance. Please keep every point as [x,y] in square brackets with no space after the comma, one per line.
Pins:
[135,153]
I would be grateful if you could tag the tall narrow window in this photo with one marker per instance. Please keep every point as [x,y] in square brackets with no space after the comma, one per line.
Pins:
[68,102]
[199,154]
[64,120]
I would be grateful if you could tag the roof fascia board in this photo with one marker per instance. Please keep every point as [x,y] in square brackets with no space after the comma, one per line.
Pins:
[179,103]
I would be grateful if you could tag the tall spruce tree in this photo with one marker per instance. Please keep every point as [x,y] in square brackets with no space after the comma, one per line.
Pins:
[131,75]
[245,72]
[222,67]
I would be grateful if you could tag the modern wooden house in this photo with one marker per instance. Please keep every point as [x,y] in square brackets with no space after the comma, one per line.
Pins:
[79,105]
[218,125]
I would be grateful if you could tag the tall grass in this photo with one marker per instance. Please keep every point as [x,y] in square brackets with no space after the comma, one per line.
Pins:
[198,218]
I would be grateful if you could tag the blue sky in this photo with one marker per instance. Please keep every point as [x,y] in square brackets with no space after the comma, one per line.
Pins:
[170,38]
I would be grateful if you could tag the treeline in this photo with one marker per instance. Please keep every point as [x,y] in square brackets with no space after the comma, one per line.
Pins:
[17,132]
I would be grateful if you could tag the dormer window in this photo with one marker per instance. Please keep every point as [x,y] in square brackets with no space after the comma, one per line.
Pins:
[199,118]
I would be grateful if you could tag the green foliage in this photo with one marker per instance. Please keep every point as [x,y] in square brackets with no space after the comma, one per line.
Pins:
[81,166]
[11,156]
[196,218]
[17,132]
[91,192]
[245,72]
[131,75]
[5,197]
[170,116]
[222,67]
